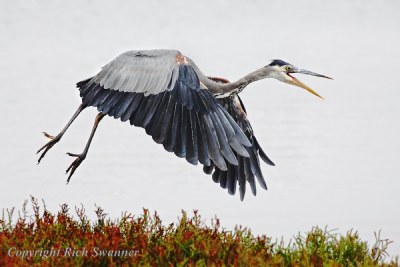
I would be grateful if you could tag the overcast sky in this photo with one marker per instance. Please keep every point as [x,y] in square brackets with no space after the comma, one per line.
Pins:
[338,161]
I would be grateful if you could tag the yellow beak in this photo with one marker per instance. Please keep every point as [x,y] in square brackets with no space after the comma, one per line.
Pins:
[295,81]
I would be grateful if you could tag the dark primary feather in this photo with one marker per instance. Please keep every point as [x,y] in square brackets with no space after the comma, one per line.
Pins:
[187,120]
[248,168]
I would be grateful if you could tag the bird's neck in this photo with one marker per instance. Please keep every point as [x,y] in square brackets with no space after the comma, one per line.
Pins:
[243,82]
[220,89]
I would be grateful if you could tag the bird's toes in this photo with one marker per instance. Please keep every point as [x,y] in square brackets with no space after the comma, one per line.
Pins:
[44,148]
[70,168]
[48,145]
[74,165]
[48,135]
[82,156]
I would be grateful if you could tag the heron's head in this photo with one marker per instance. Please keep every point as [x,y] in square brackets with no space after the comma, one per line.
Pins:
[283,71]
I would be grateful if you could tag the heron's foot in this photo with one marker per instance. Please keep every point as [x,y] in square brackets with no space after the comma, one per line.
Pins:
[75,164]
[48,145]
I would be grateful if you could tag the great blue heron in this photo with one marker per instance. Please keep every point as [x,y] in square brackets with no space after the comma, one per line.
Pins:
[197,117]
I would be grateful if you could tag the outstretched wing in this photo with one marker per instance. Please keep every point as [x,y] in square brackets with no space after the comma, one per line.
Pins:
[160,91]
[248,168]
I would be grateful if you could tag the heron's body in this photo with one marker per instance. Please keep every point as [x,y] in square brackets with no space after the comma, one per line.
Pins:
[198,118]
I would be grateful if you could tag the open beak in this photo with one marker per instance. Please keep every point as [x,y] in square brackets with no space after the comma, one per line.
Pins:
[295,81]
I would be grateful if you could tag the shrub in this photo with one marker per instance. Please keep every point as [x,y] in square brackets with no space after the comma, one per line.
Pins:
[46,239]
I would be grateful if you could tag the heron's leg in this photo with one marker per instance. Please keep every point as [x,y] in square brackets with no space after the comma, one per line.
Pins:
[55,139]
[80,157]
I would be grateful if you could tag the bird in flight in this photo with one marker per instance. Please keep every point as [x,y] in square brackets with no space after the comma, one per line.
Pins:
[199,118]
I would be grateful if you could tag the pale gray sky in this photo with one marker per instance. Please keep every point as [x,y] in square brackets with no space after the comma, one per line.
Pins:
[337,160]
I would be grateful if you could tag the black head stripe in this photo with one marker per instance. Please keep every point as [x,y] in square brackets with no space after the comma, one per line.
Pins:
[278,62]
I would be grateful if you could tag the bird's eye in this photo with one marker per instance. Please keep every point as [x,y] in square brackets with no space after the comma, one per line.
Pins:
[287,68]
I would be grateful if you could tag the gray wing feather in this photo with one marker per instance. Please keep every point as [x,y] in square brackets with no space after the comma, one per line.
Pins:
[148,72]
[153,90]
